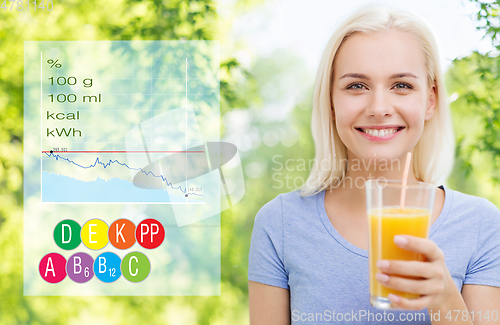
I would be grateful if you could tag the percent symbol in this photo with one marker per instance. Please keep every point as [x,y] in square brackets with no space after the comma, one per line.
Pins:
[54,63]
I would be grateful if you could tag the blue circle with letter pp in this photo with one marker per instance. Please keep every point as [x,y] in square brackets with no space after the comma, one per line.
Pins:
[107,267]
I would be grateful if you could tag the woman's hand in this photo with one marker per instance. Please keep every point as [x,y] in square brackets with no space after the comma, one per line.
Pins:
[434,283]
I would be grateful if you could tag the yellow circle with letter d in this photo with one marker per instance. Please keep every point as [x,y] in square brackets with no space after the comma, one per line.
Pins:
[95,234]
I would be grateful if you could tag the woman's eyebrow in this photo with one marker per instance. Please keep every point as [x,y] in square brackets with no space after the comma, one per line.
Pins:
[402,75]
[362,76]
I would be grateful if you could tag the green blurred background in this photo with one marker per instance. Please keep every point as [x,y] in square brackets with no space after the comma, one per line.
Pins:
[263,140]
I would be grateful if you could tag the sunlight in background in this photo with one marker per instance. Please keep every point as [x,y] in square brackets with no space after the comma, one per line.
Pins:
[281,43]
[302,29]
[306,26]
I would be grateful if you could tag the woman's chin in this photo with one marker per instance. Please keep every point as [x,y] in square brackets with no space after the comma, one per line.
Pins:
[379,156]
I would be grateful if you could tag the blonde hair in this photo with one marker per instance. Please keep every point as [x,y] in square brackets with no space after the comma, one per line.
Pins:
[434,153]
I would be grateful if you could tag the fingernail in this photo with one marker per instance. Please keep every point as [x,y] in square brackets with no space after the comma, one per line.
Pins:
[382,264]
[393,297]
[400,240]
[382,277]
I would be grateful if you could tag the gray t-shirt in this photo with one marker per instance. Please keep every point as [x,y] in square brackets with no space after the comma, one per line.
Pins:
[295,246]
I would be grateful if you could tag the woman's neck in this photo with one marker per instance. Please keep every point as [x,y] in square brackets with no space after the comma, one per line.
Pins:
[373,168]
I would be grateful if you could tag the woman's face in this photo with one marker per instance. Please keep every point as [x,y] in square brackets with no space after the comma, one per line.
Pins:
[380,94]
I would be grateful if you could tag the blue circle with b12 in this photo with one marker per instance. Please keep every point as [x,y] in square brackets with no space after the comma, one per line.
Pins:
[107,267]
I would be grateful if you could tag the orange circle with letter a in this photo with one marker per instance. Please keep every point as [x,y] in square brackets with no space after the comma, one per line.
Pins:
[122,234]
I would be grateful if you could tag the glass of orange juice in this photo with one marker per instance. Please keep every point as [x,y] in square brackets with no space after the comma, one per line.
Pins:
[387,219]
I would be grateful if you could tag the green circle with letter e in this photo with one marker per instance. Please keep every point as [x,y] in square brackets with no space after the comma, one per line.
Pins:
[67,234]
[135,266]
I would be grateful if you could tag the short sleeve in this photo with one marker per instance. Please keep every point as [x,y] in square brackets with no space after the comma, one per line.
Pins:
[484,266]
[266,257]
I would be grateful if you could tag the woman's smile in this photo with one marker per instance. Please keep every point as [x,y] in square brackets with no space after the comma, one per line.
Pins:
[380,133]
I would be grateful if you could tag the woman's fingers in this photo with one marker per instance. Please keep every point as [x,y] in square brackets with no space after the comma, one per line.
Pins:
[418,286]
[406,268]
[430,278]
[410,304]
[423,246]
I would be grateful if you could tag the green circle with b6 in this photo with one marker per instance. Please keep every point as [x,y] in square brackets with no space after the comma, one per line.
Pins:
[67,234]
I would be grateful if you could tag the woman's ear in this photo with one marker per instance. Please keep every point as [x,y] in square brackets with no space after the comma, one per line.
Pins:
[431,102]
[333,113]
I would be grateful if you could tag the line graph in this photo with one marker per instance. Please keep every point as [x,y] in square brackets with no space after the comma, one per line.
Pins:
[98,147]
[98,162]
[137,167]
[123,151]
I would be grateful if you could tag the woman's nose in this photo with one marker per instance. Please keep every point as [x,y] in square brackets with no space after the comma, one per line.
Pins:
[379,104]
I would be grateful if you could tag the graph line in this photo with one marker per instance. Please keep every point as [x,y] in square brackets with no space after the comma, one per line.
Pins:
[105,165]
[123,151]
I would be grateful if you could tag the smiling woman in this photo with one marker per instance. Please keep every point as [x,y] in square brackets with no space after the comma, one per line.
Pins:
[379,94]
[393,97]
[366,54]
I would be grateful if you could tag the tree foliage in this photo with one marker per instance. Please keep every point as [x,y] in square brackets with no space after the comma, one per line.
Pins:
[488,16]
[97,20]
[473,82]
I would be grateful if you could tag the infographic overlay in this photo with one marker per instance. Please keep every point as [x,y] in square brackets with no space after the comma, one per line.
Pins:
[125,175]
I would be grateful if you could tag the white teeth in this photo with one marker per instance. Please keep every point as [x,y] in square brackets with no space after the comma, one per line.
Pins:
[380,133]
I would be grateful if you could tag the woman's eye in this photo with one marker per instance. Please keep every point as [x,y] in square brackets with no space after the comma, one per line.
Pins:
[355,86]
[399,85]
[403,85]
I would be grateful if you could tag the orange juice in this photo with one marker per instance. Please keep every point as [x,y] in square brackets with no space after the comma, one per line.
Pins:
[384,224]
